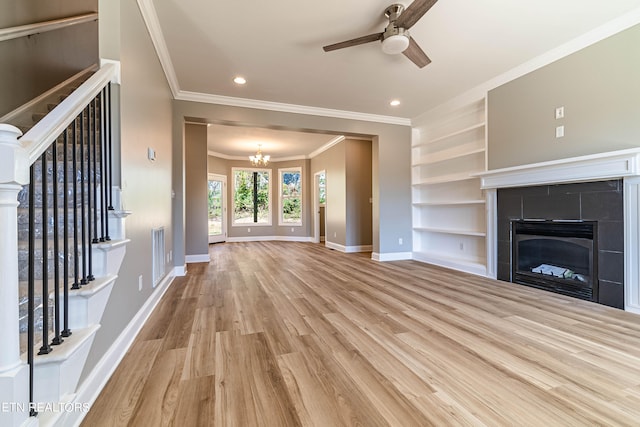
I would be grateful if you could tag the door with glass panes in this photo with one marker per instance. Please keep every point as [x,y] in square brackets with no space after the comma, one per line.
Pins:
[217,208]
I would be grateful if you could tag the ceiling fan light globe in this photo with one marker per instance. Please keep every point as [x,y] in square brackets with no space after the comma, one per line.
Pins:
[395,44]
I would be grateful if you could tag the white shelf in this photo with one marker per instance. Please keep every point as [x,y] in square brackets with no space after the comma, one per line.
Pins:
[444,156]
[447,178]
[451,231]
[450,135]
[470,265]
[451,203]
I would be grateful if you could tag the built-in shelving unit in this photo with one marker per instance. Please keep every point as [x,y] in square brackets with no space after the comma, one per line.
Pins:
[449,207]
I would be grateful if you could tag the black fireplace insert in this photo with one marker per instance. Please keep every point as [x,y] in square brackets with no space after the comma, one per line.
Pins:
[558,256]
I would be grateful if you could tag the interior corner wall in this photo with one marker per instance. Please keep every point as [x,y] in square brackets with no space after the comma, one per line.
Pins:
[333,162]
[196,190]
[358,192]
[599,89]
[145,116]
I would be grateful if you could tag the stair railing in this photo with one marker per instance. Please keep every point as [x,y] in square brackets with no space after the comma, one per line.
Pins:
[80,126]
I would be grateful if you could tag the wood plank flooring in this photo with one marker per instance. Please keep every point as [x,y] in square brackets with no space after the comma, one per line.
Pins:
[294,334]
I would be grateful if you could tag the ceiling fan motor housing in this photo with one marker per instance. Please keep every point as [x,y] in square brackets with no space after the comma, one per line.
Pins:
[394,39]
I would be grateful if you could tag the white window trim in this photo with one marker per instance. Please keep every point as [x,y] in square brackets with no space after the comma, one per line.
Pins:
[233,199]
[281,203]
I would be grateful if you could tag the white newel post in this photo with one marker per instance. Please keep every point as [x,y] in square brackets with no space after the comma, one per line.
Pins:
[14,373]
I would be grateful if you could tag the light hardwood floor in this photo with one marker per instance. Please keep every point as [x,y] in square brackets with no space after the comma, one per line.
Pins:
[287,334]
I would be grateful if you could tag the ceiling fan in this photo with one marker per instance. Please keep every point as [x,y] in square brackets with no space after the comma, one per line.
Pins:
[395,38]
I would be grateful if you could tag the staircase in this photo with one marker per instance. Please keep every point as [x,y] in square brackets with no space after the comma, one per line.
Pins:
[56,243]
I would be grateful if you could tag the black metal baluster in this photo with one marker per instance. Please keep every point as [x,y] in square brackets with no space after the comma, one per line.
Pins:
[95,172]
[110,173]
[57,340]
[103,167]
[31,285]
[90,136]
[46,348]
[74,170]
[83,231]
[65,235]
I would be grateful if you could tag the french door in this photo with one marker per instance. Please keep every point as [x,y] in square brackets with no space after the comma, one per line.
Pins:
[217,208]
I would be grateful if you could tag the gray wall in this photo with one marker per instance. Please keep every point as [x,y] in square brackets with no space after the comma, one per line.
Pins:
[146,122]
[359,185]
[391,157]
[599,87]
[196,190]
[334,162]
[31,65]
[217,165]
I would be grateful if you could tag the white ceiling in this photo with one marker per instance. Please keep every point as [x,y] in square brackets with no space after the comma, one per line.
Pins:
[277,46]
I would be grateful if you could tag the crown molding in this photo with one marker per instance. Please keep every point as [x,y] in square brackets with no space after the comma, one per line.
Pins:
[152,22]
[326,146]
[155,31]
[289,108]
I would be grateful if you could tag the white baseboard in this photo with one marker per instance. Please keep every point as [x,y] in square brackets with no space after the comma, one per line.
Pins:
[180,271]
[269,238]
[348,249]
[92,386]
[197,258]
[391,256]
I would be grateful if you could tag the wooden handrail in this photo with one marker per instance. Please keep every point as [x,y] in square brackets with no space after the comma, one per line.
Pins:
[42,27]
[40,136]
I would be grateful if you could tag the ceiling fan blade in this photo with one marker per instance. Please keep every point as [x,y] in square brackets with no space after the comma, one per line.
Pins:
[353,42]
[414,12]
[416,54]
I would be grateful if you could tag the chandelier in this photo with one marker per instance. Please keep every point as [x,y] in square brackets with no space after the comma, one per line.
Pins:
[259,159]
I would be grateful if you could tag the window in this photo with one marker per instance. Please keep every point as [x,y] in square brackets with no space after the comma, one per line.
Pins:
[322,189]
[251,201]
[290,196]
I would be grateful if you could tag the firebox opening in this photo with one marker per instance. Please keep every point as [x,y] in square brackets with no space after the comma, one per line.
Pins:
[558,256]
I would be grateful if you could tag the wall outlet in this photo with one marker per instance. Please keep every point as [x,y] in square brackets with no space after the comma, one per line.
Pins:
[400,241]
[559,113]
[292,229]
[140,282]
[248,230]
[559,131]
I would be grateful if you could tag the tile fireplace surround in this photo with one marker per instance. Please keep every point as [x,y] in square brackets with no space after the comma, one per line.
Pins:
[621,165]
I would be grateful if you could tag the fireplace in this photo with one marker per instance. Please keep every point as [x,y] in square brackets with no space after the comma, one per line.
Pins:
[576,226]
[559,256]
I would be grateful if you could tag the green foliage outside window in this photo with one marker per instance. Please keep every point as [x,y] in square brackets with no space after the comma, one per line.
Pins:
[291,196]
[243,196]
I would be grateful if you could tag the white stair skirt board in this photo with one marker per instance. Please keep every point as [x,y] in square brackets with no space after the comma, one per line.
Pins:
[197,258]
[348,249]
[92,385]
[108,256]
[58,372]
[87,304]
[14,389]
[391,256]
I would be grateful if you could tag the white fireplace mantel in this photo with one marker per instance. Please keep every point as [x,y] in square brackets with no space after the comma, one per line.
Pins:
[595,167]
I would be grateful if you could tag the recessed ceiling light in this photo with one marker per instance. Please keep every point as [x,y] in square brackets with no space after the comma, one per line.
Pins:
[239,80]
[394,103]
